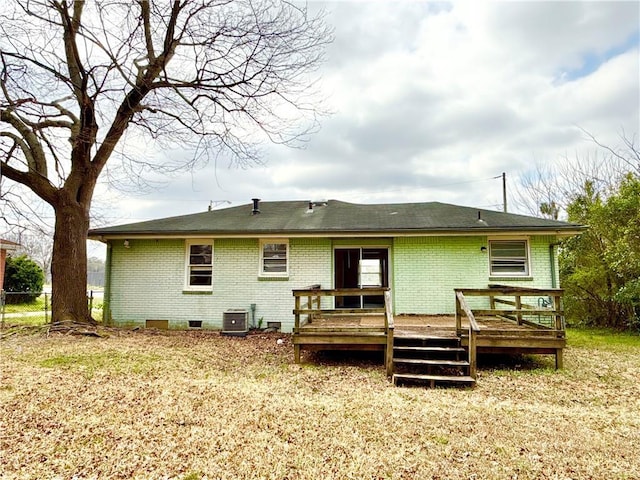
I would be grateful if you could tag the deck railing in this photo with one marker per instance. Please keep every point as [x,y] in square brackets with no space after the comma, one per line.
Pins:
[308,305]
[305,312]
[546,318]
[547,314]
[474,329]
[313,300]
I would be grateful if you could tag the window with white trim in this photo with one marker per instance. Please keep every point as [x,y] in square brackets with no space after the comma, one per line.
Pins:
[274,258]
[509,257]
[199,265]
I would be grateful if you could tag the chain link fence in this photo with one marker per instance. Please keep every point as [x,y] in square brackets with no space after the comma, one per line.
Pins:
[27,308]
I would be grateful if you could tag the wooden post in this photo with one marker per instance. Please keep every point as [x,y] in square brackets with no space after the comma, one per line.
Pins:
[458,316]
[389,352]
[519,308]
[297,315]
[473,358]
[559,359]
[558,316]
[310,307]
[296,353]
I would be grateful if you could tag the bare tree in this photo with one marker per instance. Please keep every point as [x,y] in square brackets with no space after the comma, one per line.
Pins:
[86,83]
[548,188]
[539,192]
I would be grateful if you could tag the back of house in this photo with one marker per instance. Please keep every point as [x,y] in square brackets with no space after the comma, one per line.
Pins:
[211,269]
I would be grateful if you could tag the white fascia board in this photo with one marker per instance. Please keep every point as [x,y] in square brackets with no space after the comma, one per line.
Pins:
[452,233]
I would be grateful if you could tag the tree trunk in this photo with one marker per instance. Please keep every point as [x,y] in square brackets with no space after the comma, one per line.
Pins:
[69,263]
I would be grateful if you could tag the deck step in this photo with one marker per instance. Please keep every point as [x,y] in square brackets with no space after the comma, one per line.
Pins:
[407,348]
[420,336]
[431,360]
[433,379]
[421,361]
[340,331]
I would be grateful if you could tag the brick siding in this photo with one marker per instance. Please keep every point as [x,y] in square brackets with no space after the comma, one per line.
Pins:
[147,279]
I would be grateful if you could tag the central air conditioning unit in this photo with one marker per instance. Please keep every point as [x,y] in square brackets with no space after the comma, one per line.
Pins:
[235,321]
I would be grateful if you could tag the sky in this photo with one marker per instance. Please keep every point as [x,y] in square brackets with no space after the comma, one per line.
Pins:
[433,102]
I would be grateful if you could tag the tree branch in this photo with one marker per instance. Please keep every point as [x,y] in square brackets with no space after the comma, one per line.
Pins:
[31,147]
[148,36]
[631,148]
[135,95]
[73,62]
[39,184]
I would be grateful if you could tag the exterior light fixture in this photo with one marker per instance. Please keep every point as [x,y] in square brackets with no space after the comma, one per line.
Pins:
[126,244]
[483,249]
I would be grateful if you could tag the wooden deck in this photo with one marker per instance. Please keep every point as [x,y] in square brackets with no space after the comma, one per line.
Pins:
[509,326]
[496,334]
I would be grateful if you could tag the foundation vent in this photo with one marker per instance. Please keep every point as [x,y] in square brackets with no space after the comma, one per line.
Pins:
[159,324]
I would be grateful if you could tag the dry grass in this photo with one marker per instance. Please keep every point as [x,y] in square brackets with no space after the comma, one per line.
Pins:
[196,405]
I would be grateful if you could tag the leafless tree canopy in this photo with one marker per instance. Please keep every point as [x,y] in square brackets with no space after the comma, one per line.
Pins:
[211,76]
[548,189]
[89,81]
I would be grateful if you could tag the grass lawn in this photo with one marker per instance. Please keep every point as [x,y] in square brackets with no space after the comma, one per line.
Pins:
[38,305]
[195,405]
[38,312]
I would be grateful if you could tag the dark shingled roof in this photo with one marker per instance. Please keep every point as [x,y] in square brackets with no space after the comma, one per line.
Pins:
[336,217]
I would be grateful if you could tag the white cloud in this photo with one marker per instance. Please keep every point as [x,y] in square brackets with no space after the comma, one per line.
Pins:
[430,95]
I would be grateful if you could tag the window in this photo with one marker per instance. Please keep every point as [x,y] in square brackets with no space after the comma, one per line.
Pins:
[274,258]
[199,261]
[371,272]
[509,257]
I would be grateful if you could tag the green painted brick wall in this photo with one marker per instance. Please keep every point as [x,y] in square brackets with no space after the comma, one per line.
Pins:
[426,270]
[147,279]
[147,282]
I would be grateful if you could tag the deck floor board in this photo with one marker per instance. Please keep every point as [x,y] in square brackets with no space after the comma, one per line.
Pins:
[415,324]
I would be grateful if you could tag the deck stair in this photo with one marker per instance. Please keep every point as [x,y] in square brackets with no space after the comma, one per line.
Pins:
[431,360]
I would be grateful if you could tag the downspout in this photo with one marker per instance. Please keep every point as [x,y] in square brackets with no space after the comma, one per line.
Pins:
[253,315]
[552,263]
[106,301]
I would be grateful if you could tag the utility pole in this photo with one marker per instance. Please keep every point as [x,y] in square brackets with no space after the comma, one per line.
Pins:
[504,192]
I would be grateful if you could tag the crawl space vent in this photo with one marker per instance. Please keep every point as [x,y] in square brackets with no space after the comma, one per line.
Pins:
[159,324]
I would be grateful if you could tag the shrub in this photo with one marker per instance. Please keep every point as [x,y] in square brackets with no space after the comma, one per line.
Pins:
[25,278]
